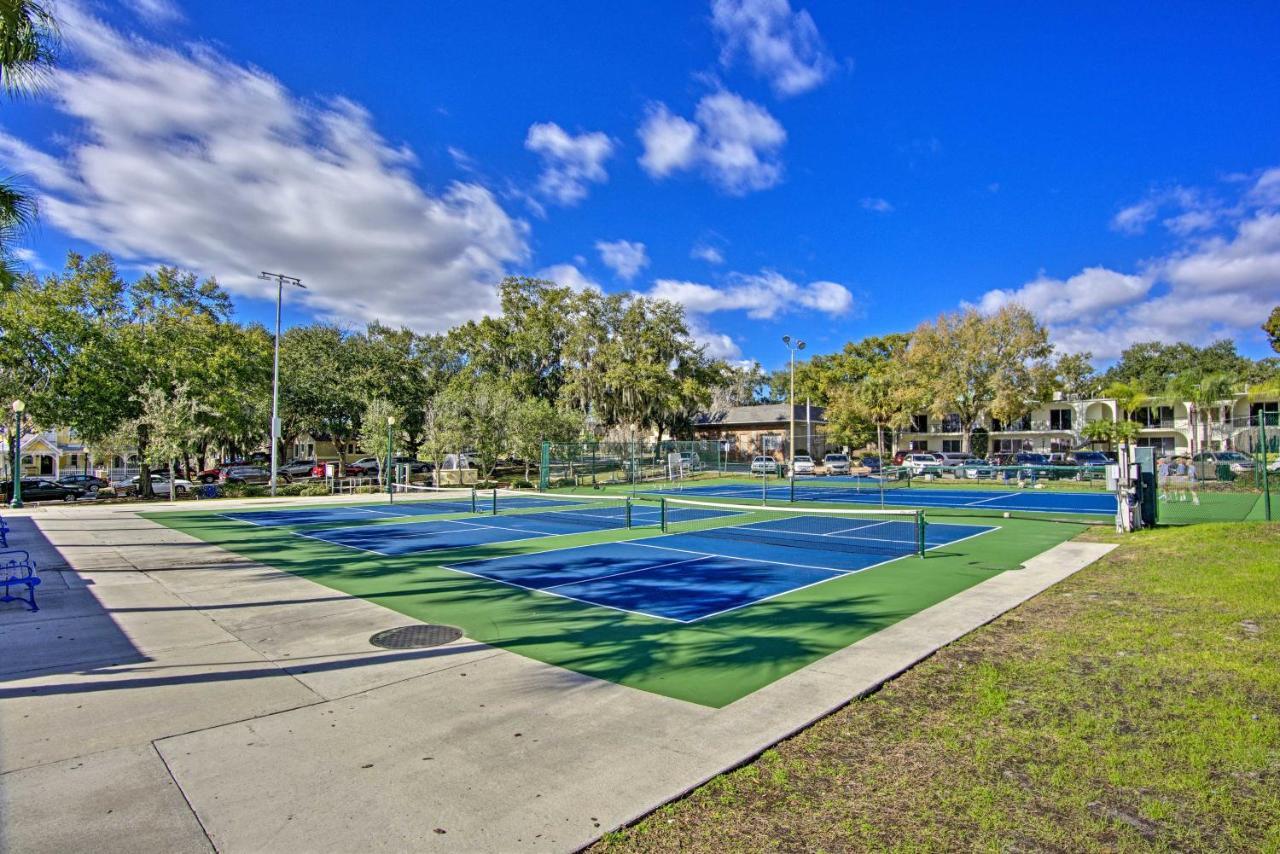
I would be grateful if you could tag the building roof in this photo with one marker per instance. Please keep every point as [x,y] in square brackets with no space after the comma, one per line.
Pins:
[765,414]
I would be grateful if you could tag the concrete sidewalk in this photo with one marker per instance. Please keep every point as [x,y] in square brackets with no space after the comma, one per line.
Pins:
[174,696]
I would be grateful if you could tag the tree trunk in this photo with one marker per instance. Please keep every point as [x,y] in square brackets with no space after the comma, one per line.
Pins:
[173,488]
[144,470]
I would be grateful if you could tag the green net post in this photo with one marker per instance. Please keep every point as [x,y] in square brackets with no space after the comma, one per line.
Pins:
[494,503]
[544,470]
[1266,486]
[662,514]
[791,488]
[473,500]
[627,511]
[920,529]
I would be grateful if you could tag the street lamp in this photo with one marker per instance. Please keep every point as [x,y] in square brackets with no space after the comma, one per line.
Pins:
[391,420]
[275,368]
[16,501]
[799,345]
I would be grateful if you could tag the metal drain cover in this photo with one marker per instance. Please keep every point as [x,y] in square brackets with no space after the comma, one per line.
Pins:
[416,637]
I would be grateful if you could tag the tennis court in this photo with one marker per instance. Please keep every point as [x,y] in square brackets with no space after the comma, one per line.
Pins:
[868,490]
[721,558]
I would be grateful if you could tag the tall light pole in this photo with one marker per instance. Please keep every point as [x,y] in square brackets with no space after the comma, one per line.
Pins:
[16,492]
[280,279]
[799,345]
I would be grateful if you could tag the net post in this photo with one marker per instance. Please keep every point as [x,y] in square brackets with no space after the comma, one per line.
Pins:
[474,509]
[920,530]
[544,470]
[662,515]
[627,510]
[791,487]
[494,502]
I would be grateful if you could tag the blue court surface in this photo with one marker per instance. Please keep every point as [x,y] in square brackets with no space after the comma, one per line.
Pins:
[477,530]
[855,490]
[694,576]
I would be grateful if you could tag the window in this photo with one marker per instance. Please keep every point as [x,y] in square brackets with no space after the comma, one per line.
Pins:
[950,446]
[951,423]
[919,445]
[920,423]
[1162,444]
[1154,416]
[1267,412]
[1059,419]
[770,442]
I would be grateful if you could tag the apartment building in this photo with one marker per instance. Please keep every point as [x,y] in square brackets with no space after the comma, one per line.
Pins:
[1056,426]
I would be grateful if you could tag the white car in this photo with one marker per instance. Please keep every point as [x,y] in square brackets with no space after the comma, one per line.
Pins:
[764,465]
[802,465]
[918,463]
[159,485]
[951,458]
[835,464]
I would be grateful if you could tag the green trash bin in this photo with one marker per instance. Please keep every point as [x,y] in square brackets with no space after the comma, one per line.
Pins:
[1225,473]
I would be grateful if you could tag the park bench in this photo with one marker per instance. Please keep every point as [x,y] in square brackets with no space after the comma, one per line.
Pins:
[19,571]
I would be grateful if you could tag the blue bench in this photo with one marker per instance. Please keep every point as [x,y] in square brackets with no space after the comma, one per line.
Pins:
[19,571]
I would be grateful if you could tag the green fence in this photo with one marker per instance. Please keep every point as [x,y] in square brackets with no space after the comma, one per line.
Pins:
[1224,485]
[604,463]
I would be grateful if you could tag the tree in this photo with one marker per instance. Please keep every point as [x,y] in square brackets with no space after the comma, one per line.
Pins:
[28,47]
[1201,391]
[1098,431]
[966,363]
[1074,375]
[170,418]
[1272,328]
[374,429]
[473,414]
[882,399]
[534,421]
[1151,365]
[742,386]
[319,387]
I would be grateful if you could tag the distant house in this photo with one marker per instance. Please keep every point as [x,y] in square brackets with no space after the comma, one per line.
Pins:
[764,429]
[52,453]
[320,447]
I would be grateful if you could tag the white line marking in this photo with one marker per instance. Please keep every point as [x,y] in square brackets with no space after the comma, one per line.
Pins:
[622,572]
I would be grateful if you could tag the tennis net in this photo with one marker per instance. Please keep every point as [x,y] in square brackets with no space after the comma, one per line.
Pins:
[899,532]
[578,511]
[447,499]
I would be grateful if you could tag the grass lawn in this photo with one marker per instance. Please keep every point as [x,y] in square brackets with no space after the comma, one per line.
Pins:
[1135,706]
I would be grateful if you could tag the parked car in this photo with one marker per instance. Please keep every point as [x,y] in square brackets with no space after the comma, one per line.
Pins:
[88,482]
[159,485]
[900,455]
[251,474]
[952,458]
[1238,463]
[921,461]
[689,461]
[802,464]
[214,473]
[297,468]
[976,469]
[764,465]
[871,463]
[836,464]
[1088,459]
[42,489]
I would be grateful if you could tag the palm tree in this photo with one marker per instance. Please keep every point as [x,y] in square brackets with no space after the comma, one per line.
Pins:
[28,47]
[1099,431]
[1201,392]
[1129,397]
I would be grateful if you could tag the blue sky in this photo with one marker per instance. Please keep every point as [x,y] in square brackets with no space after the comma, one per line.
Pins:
[823,169]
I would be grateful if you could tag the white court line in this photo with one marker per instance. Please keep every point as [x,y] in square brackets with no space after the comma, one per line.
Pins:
[996,498]
[342,545]
[727,557]
[622,572]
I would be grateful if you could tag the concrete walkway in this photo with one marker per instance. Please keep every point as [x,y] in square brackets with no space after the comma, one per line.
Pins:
[172,696]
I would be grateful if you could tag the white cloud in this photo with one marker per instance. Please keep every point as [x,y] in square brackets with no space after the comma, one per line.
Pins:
[762,296]
[704,252]
[569,276]
[717,344]
[1267,189]
[1093,290]
[782,46]
[733,141]
[624,257]
[1205,288]
[570,162]
[156,11]
[185,157]
[1135,218]
[876,205]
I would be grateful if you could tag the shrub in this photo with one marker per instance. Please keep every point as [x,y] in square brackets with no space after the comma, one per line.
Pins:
[368,489]
[309,489]
[521,484]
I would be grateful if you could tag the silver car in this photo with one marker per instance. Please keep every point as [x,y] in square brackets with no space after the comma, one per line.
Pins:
[835,464]
[764,465]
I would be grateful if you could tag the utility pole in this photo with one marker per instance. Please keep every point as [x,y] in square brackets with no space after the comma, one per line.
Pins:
[280,280]
[786,339]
